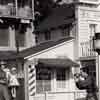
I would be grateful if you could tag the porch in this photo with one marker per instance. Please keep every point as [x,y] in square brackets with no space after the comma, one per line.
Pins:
[87,51]
[16,8]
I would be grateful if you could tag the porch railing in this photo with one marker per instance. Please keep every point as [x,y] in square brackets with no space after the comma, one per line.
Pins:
[61,96]
[12,10]
[86,49]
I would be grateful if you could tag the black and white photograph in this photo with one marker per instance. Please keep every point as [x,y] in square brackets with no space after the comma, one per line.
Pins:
[49,49]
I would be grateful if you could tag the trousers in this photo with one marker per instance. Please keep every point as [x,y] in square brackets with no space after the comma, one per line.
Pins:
[91,96]
[4,92]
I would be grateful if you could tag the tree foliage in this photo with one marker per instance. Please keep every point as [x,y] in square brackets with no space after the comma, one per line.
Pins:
[43,8]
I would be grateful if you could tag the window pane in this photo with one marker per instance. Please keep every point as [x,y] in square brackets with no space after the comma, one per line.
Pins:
[47,85]
[43,80]
[24,8]
[61,74]
[47,35]
[39,86]
[4,36]
[65,32]
[61,78]
[20,36]
[92,28]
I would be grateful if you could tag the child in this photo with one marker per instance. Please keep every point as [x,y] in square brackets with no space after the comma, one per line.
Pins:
[13,82]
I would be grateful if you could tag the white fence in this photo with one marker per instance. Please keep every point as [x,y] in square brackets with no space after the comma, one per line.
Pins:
[61,96]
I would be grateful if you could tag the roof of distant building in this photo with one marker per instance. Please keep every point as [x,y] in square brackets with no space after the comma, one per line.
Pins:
[42,46]
[12,55]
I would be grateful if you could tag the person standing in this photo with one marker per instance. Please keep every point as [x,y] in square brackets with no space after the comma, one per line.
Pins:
[4,92]
[88,83]
[13,81]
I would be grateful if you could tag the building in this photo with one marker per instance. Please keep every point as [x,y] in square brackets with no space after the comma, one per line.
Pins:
[16,27]
[53,57]
[83,23]
[55,49]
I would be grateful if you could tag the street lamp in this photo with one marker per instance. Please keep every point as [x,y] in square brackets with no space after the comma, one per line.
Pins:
[96,45]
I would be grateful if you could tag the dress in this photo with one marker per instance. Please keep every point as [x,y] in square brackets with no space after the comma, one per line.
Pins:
[13,81]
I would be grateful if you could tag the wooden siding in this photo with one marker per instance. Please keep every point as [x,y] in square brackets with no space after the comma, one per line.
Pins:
[86,16]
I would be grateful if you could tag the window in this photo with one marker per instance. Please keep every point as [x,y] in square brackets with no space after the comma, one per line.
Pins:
[20,35]
[47,35]
[43,80]
[4,35]
[25,8]
[3,2]
[92,28]
[61,78]
[67,30]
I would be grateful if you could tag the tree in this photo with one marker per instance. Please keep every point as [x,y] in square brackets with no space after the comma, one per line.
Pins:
[43,8]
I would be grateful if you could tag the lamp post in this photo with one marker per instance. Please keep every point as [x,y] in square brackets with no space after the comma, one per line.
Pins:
[96,45]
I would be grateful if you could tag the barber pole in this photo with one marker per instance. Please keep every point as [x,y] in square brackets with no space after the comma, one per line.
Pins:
[31,80]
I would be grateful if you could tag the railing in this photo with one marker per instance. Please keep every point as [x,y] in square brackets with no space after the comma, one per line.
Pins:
[61,96]
[10,10]
[86,49]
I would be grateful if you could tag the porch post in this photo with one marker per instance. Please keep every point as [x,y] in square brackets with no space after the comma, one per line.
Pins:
[53,81]
[26,80]
[97,74]
[30,79]
[16,5]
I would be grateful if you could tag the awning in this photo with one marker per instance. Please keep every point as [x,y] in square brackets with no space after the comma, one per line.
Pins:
[66,62]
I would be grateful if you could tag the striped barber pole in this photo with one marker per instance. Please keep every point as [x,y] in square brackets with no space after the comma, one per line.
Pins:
[31,80]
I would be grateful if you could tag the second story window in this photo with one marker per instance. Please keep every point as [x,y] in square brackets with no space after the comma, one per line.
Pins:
[92,29]
[47,35]
[66,31]
[20,36]
[4,35]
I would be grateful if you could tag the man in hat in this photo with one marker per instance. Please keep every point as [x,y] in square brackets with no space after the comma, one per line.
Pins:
[88,83]
[4,93]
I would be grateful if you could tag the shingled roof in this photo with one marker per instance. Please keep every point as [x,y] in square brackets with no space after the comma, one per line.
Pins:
[61,15]
[12,55]
[42,46]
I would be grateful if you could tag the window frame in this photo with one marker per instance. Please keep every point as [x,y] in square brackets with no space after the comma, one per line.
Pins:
[18,33]
[92,29]
[66,31]
[61,83]
[47,35]
[43,82]
[6,29]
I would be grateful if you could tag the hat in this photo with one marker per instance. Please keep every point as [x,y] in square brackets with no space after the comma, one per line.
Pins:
[13,69]
[84,69]
[2,63]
